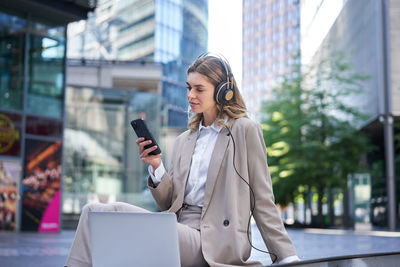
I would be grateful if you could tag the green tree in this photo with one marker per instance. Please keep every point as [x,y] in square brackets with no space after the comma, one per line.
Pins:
[311,130]
[282,132]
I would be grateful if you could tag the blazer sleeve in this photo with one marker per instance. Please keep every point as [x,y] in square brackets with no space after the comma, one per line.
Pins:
[163,192]
[266,213]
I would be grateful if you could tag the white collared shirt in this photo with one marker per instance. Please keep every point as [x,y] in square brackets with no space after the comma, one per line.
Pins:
[196,184]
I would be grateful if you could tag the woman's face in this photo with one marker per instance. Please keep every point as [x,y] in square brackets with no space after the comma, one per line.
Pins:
[200,94]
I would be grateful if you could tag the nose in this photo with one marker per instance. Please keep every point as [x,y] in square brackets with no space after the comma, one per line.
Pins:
[190,94]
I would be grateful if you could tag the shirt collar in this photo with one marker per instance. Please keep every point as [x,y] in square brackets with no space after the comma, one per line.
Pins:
[212,126]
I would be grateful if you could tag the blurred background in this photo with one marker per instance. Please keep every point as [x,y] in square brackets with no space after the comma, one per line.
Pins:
[321,76]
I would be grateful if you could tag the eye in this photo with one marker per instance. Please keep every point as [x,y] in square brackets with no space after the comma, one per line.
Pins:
[189,88]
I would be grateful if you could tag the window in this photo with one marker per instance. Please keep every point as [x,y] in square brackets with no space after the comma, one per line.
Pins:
[46,73]
[12,47]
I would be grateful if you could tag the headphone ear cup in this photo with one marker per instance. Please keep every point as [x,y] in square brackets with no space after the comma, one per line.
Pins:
[218,93]
[222,93]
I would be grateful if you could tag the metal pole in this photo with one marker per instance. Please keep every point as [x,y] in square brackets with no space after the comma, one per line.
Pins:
[388,122]
[27,36]
[64,119]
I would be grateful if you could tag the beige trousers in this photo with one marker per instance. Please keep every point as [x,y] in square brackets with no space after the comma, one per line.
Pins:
[188,235]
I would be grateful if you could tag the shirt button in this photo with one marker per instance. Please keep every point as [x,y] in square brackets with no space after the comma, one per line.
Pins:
[226,222]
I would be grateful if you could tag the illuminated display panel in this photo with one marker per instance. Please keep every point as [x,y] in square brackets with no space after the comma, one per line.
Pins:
[41,186]
[9,176]
[10,134]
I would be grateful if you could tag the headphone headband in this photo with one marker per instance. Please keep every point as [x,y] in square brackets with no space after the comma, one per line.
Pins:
[224,90]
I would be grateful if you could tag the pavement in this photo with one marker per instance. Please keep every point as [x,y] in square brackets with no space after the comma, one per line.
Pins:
[51,249]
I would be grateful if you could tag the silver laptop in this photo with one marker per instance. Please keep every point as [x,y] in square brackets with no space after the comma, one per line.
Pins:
[124,239]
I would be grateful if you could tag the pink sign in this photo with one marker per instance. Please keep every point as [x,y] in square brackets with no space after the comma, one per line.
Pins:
[41,186]
[51,217]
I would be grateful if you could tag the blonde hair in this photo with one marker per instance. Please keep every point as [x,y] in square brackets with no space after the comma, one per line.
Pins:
[212,68]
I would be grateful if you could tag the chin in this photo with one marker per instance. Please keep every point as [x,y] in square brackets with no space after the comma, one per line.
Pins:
[196,110]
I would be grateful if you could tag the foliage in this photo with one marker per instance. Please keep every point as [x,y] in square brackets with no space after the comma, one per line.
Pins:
[312,130]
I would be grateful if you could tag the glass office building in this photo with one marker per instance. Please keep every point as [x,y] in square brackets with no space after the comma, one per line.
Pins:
[32,74]
[172,32]
[102,161]
[127,60]
[271,39]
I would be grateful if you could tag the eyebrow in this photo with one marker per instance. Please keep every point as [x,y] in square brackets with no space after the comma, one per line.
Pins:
[195,85]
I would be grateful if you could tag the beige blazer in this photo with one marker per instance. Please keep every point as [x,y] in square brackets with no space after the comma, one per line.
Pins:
[226,206]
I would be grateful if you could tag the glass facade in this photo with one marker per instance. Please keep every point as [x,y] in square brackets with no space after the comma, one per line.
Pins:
[32,69]
[45,74]
[181,36]
[136,32]
[271,39]
[101,157]
[171,32]
[12,54]
[46,70]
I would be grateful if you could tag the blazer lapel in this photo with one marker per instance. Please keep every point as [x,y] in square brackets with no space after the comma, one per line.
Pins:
[184,166]
[215,164]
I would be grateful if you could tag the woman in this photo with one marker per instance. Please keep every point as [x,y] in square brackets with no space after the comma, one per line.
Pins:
[212,190]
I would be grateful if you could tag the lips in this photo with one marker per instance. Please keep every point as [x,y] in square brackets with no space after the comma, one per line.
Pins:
[193,104]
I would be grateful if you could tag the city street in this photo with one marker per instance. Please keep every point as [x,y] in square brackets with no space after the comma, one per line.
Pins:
[50,250]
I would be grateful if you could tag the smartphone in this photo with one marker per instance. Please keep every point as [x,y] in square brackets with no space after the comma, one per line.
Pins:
[141,130]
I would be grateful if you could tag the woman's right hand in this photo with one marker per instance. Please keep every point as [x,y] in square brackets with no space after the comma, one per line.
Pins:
[153,160]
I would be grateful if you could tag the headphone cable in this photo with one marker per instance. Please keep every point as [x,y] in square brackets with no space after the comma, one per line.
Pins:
[252,207]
